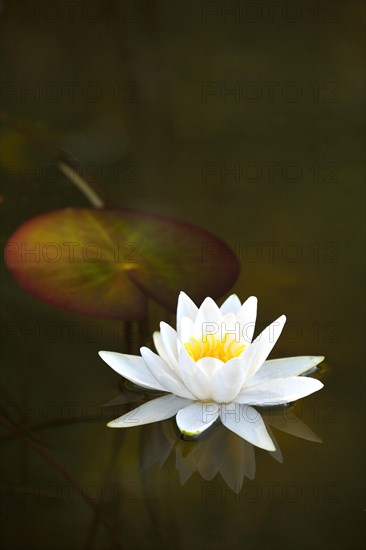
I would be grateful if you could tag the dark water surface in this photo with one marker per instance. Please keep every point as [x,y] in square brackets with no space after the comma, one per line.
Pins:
[249,124]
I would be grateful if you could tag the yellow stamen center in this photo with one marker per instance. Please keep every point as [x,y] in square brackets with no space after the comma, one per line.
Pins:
[225,349]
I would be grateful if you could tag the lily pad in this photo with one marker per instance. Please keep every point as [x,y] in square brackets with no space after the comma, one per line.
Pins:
[108,262]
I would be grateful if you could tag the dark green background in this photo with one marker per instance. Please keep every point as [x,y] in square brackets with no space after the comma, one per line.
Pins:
[147,136]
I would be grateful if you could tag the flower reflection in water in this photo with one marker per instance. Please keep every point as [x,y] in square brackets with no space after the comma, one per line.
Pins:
[219,451]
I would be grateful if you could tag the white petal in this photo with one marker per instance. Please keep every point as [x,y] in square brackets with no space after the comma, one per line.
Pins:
[207,369]
[230,326]
[186,329]
[152,411]
[247,423]
[164,375]
[227,380]
[196,376]
[186,308]
[209,365]
[197,417]
[246,317]
[208,321]
[210,309]
[159,346]
[169,339]
[281,368]
[232,304]
[257,352]
[131,367]
[279,391]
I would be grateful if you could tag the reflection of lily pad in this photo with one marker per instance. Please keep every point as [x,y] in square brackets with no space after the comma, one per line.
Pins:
[107,262]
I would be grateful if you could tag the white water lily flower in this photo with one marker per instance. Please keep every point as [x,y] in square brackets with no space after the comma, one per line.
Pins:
[212,369]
